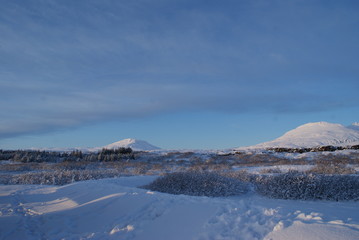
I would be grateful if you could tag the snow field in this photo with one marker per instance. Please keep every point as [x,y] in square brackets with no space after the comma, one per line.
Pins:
[118,209]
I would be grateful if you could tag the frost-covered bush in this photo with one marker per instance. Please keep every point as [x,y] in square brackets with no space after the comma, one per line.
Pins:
[242,175]
[270,170]
[309,186]
[198,184]
[59,177]
[332,167]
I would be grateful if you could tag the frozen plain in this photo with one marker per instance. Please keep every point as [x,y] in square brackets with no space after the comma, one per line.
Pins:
[118,209]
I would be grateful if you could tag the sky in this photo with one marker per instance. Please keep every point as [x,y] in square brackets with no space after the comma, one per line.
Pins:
[189,74]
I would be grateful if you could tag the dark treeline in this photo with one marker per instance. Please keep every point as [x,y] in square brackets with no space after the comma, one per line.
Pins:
[119,154]
[315,149]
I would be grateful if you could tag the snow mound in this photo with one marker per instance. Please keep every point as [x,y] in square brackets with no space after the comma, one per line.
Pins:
[316,134]
[135,144]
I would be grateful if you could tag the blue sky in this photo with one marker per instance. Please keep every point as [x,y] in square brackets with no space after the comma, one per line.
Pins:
[178,74]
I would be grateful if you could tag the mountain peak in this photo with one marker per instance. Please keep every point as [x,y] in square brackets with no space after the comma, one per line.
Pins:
[320,125]
[135,144]
[128,140]
[316,128]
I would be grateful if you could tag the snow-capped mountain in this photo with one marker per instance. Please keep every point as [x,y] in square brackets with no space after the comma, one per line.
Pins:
[135,144]
[316,134]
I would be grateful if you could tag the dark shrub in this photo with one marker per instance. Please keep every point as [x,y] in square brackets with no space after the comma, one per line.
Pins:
[325,149]
[331,167]
[59,177]
[270,170]
[198,184]
[121,150]
[309,186]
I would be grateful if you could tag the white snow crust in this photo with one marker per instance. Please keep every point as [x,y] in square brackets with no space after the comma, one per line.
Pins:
[118,209]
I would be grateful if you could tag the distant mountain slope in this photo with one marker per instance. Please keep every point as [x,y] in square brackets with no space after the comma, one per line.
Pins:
[135,144]
[316,134]
[354,126]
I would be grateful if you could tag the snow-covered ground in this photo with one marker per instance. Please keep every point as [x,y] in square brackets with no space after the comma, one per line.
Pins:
[118,209]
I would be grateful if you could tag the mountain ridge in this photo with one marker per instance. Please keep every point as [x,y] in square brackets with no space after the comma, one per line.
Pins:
[316,134]
[134,144]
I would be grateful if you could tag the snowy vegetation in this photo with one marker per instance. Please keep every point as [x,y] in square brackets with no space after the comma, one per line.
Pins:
[104,155]
[295,185]
[336,166]
[59,177]
[198,184]
[196,173]
[291,185]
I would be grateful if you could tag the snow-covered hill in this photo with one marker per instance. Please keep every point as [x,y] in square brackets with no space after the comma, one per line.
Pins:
[135,144]
[316,134]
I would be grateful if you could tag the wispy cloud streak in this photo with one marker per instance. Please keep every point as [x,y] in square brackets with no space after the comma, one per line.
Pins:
[66,63]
